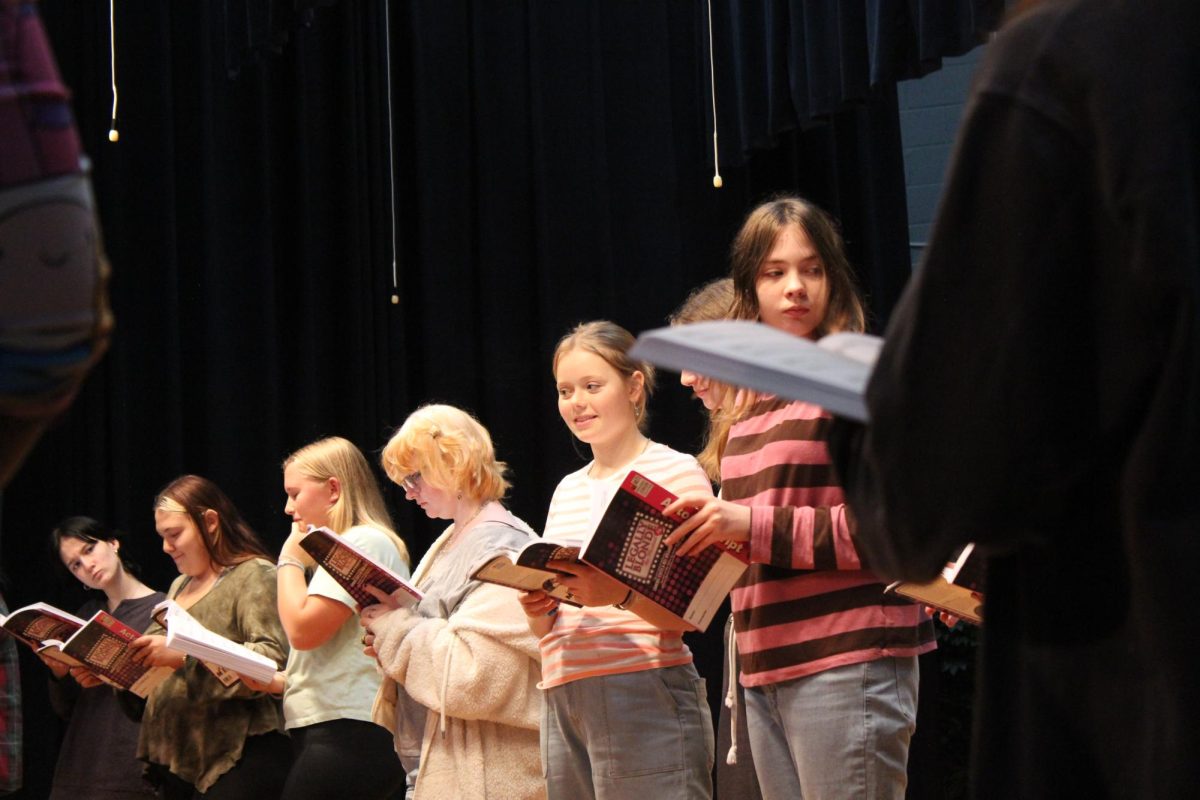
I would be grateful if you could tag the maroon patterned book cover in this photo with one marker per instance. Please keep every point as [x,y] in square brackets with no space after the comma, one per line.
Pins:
[38,622]
[102,645]
[353,569]
[628,545]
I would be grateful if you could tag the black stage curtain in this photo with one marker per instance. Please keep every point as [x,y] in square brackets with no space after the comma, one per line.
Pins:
[552,164]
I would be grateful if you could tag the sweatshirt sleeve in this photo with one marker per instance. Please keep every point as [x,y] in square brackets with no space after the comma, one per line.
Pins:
[481,664]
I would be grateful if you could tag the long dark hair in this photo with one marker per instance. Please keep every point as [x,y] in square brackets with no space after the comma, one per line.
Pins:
[753,243]
[235,541]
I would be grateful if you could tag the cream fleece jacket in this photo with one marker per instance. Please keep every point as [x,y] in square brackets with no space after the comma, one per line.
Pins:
[477,673]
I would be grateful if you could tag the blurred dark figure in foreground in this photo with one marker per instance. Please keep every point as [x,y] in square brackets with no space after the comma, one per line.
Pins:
[1039,394]
[54,317]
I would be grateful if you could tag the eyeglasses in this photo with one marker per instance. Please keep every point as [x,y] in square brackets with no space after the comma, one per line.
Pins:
[411,482]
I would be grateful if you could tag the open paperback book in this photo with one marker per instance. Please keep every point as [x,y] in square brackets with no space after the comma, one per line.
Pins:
[628,545]
[224,658]
[102,647]
[37,623]
[831,372]
[354,570]
[958,590]
[526,569]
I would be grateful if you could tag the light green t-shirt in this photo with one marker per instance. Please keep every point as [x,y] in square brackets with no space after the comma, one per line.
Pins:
[336,680]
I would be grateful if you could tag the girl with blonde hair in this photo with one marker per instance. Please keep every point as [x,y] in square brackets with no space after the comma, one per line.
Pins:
[462,667]
[329,686]
[625,713]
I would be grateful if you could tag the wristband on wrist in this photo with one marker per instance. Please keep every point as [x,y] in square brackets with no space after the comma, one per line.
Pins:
[288,561]
[626,601]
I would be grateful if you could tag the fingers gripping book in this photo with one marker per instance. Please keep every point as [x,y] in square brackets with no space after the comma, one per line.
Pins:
[222,657]
[354,570]
[102,646]
[628,545]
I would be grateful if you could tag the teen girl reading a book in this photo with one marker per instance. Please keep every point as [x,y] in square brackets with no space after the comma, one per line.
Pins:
[90,552]
[735,763]
[828,661]
[204,738]
[625,714]
[330,685]
[462,667]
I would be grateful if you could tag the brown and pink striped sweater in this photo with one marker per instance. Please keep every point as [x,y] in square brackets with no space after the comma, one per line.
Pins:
[807,603]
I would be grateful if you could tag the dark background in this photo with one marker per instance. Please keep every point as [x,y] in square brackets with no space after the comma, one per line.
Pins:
[552,163]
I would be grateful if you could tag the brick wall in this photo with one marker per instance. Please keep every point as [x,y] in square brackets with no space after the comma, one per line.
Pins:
[930,111]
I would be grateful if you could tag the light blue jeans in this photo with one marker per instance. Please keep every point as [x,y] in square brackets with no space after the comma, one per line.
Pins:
[638,736]
[840,733]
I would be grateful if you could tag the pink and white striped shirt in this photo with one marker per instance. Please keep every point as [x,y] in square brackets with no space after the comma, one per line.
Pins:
[603,640]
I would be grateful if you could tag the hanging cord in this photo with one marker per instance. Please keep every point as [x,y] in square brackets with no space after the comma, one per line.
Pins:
[112,66]
[712,78]
[387,49]
[731,698]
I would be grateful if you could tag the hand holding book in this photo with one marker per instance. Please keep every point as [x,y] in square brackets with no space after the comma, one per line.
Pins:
[86,678]
[709,520]
[587,585]
[56,667]
[152,651]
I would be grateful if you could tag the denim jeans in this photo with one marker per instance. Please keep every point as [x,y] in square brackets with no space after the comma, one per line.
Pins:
[840,733]
[636,736]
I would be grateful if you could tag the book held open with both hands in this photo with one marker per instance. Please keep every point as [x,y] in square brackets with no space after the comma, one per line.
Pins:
[102,647]
[37,623]
[354,570]
[628,545]
[831,372]
[222,657]
[527,568]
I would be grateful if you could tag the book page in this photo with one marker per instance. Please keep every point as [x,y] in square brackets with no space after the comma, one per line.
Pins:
[218,654]
[39,622]
[756,356]
[502,571]
[861,347]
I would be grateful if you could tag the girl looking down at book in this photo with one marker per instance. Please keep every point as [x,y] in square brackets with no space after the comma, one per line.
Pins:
[330,685]
[625,714]
[204,738]
[462,668]
[735,763]
[712,301]
[90,552]
[828,661]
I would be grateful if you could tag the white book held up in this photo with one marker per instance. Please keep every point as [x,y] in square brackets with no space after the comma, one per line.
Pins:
[831,372]
[186,634]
